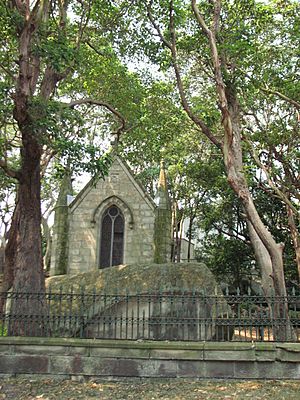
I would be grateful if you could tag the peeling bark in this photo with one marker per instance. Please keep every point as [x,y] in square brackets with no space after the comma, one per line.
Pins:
[295,237]
[232,154]
[263,261]
[237,180]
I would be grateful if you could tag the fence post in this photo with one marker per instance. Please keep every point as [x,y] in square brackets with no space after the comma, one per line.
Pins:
[81,314]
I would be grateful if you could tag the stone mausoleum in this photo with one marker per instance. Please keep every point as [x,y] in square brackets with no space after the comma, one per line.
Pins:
[112,221]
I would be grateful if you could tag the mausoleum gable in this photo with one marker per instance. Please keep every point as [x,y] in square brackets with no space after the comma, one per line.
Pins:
[113,221]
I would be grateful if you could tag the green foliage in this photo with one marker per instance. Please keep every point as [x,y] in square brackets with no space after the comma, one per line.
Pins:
[3,330]
[81,157]
[56,47]
[225,245]
[230,259]
[91,51]
[77,51]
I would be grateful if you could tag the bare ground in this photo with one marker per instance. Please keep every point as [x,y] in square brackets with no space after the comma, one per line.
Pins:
[176,389]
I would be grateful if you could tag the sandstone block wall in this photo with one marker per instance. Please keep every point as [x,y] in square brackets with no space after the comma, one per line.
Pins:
[86,212]
[89,358]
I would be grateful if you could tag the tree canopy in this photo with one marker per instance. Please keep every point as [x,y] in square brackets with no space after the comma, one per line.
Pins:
[211,87]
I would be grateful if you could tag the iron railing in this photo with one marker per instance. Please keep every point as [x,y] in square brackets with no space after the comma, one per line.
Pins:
[163,315]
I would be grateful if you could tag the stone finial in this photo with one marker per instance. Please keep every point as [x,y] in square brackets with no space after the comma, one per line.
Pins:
[162,229]
[162,180]
[162,195]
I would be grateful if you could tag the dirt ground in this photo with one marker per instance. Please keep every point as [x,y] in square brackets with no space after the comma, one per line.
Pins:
[176,389]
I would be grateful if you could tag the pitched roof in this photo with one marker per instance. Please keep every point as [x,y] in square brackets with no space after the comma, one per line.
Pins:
[93,181]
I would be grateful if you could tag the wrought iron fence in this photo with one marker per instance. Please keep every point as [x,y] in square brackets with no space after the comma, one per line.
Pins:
[163,315]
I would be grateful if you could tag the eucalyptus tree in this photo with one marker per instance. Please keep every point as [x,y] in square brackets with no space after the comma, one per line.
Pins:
[270,103]
[225,244]
[273,141]
[215,44]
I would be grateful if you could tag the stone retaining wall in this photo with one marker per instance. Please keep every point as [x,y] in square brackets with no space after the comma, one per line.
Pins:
[78,358]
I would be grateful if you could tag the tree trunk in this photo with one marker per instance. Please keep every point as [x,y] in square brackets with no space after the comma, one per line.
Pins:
[9,257]
[295,237]
[35,84]
[28,269]
[232,153]
[278,304]
[234,166]
[263,261]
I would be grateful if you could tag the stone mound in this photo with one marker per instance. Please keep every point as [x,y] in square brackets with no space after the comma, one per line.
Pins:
[176,302]
[140,278]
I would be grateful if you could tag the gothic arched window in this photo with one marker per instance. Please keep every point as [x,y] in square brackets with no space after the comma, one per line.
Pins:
[112,237]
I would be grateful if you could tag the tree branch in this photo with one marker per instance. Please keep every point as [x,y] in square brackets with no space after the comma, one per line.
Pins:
[200,19]
[278,192]
[8,170]
[104,104]
[156,27]
[45,160]
[204,128]
[83,24]
[282,96]
[94,48]
[220,86]
[7,71]
[50,80]
[288,170]
[22,7]
[234,234]
[217,12]
[172,47]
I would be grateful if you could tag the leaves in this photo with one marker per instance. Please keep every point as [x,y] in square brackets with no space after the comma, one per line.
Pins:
[148,389]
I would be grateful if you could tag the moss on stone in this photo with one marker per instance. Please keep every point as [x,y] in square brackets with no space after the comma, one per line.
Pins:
[140,278]
[61,226]
[137,279]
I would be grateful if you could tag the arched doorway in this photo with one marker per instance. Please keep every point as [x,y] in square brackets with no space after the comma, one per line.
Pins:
[112,237]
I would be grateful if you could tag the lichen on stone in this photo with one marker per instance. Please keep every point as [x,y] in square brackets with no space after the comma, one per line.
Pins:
[140,278]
